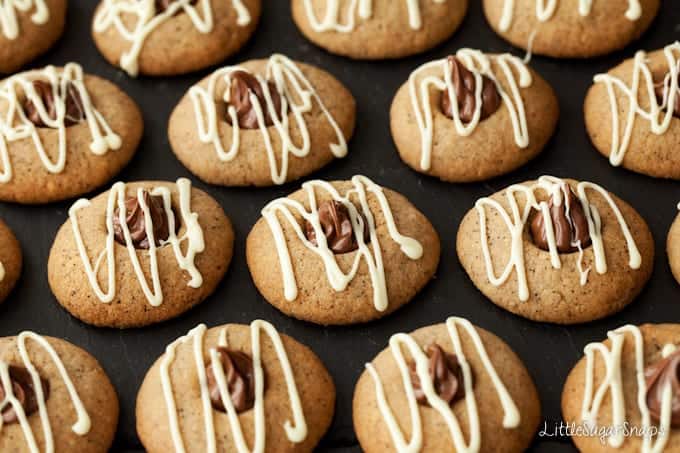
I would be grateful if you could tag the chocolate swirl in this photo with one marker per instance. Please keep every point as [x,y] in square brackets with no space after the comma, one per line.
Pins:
[464,85]
[569,224]
[134,216]
[240,377]
[658,375]
[24,392]
[163,5]
[75,112]
[337,227]
[662,92]
[243,84]
[446,374]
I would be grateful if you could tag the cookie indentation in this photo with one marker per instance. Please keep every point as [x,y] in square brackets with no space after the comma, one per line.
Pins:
[24,392]
[74,111]
[239,375]
[246,88]
[445,374]
[136,221]
[465,91]
[659,376]
[338,228]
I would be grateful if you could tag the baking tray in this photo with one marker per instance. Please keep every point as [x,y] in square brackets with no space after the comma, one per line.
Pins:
[548,351]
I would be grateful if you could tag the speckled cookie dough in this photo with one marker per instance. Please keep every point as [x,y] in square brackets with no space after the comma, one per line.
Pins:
[140,253]
[60,398]
[632,113]
[378,29]
[626,387]
[488,131]
[570,28]
[28,29]
[446,387]
[176,36]
[673,247]
[341,252]
[556,250]
[261,123]
[63,133]
[235,388]
[11,261]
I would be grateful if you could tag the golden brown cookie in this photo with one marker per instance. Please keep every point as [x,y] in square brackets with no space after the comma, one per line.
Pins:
[280,395]
[28,28]
[556,250]
[483,134]
[645,138]
[248,140]
[443,379]
[673,248]
[378,29]
[140,253]
[11,260]
[179,37]
[60,398]
[570,28]
[341,252]
[63,133]
[616,413]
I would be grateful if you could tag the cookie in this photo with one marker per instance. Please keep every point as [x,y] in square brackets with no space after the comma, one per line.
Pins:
[341,252]
[632,113]
[60,397]
[10,261]
[140,253]
[261,123]
[378,29]
[622,395]
[488,131]
[673,247]
[63,133]
[176,36]
[28,29]
[235,388]
[570,29]
[556,250]
[446,387]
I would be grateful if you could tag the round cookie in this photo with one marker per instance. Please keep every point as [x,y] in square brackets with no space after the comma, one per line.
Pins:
[643,362]
[570,28]
[484,134]
[673,247]
[140,253]
[474,369]
[28,29]
[378,29]
[63,133]
[246,141]
[342,252]
[11,261]
[280,395]
[644,142]
[556,250]
[182,36]
[73,408]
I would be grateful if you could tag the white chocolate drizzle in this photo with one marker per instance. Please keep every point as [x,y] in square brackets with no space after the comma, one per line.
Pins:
[15,126]
[82,424]
[113,12]
[296,92]
[511,415]
[2,271]
[370,253]
[612,385]
[193,237]
[514,71]
[516,221]
[545,10]
[296,430]
[643,80]
[9,23]
[332,21]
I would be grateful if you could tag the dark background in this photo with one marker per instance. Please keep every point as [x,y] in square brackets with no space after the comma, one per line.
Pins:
[549,351]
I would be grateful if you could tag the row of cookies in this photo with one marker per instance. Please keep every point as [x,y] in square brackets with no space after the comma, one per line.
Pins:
[551,250]
[159,37]
[469,117]
[446,387]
